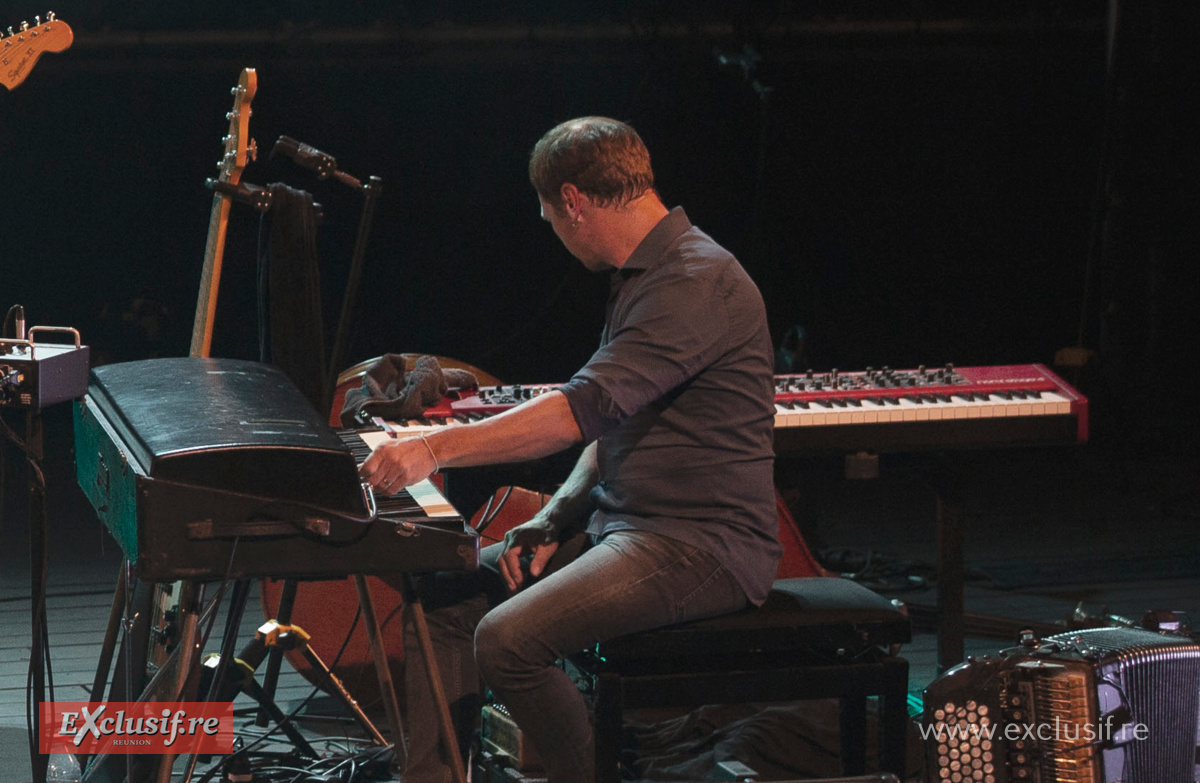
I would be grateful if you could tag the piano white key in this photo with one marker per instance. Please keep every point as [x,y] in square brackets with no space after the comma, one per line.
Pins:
[954,408]
[430,499]
[1011,407]
[922,411]
[1056,404]
[988,409]
[373,437]
[786,417]
[843,415]
[889,412]
[911,411]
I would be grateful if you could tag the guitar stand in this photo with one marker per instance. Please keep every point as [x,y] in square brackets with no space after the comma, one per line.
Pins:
[383,670]
[255,196]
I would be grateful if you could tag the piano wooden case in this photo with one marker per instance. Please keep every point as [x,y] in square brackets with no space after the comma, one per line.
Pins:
[218,468]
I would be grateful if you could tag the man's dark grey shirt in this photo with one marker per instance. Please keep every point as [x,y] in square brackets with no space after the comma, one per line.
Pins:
[680,396]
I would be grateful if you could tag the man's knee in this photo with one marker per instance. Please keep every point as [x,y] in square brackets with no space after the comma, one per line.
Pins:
[501,648]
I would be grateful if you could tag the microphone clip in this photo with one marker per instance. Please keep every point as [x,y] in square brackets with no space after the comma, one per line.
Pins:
[313,159]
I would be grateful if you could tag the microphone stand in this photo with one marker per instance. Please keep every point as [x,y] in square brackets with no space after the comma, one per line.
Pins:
[370,193]
[325,166]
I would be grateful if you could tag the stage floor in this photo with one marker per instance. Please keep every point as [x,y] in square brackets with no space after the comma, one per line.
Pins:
[1104,530]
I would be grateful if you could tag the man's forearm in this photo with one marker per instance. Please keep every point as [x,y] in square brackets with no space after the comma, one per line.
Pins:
[538,428]
[572,503]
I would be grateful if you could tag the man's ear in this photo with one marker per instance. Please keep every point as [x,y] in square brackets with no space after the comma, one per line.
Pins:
[571,199]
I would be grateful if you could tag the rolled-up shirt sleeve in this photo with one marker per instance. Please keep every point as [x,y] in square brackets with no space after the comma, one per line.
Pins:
[585,398]
[655,346]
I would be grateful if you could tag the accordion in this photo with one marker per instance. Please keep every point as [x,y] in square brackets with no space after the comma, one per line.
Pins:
[1093,706]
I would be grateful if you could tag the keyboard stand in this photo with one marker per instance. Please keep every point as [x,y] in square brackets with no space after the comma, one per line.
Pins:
[951,570]
[180,676]
[412,600]
[949,617]
[174,680]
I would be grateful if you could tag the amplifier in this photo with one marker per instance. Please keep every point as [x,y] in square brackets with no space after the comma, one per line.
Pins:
[36,375]
[1093,706]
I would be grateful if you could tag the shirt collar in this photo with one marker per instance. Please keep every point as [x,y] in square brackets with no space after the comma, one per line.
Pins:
[654,245]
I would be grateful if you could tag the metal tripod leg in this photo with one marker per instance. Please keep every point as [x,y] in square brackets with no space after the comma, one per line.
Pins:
[315,661]
[383,670]
[283,613]
[271,635]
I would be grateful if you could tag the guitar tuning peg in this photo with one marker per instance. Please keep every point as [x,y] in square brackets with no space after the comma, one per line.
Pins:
[50,16]
[24,26]
[37,20]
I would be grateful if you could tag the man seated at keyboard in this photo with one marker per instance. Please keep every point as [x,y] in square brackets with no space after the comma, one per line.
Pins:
[669,514]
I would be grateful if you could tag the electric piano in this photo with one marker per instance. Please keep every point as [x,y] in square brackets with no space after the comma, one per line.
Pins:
[218,468]
[871,410]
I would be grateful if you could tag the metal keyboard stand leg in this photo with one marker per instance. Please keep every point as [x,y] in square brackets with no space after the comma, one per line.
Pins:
[383,670]
[169,683]
[111,630]
[951,572]
[951,620]
[413,600]
[233,620]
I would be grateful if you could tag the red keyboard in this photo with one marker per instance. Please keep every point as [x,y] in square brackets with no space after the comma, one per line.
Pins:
[869,410]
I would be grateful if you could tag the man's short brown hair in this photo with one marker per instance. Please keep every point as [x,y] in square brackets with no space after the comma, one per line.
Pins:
[604,158]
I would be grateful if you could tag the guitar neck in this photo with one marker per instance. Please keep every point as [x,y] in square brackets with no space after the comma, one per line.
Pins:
[21,48]
[238,147]
[210,277]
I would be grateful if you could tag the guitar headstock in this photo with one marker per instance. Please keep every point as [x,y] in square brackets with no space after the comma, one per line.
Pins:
[20,48]
[238,145]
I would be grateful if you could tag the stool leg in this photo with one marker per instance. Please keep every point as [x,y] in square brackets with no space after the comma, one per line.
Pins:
[893,717]
[608,719]
[853,727]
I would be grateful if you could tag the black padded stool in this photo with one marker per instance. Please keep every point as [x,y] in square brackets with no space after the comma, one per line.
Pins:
[813,638]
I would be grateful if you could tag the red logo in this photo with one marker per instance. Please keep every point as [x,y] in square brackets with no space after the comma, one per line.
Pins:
[179,727]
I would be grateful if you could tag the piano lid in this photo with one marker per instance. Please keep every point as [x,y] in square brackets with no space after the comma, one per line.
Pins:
[226,423]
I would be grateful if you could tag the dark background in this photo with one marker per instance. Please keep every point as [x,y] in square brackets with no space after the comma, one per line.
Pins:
[978,183]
